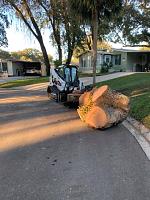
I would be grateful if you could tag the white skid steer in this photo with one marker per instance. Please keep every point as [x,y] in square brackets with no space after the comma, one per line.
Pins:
[64,85]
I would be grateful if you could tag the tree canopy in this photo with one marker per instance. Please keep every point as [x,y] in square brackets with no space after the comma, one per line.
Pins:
[132,24]
[29,54]
[4,54]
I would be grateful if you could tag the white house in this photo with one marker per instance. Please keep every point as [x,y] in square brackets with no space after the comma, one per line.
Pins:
[117,60]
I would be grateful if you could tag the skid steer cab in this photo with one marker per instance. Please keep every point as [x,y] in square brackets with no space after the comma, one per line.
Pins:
[64,83]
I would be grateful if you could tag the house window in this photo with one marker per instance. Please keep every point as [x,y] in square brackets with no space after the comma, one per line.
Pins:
[107,59]
[4,67]
[118,59]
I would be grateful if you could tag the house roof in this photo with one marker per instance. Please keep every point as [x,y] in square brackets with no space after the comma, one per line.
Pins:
[117,50]
[98,51]
[25,61]
[15,60]
[132,50]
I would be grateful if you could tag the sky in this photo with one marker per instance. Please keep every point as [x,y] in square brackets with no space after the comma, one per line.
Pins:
[18,40]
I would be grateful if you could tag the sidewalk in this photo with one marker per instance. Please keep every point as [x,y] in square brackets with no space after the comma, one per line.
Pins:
[88,80]
[85,80]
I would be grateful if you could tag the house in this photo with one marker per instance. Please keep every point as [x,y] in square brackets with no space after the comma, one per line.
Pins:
[117,60]
[11,67]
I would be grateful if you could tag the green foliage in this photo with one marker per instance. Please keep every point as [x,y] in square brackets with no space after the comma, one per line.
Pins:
[4,54]
[132,24]
[104,8]
[104,69]
[57,63]
[29,54]
[65,27]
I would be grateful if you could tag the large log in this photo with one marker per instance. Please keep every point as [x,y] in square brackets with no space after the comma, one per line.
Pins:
[103,108]
[99,117]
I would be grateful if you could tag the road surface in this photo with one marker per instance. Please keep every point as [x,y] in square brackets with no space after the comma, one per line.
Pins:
[47,153]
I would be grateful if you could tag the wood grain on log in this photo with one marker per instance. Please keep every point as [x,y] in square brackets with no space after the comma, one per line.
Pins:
[102,107]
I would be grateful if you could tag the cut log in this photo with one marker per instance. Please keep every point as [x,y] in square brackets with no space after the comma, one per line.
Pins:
[106,117]
[102,107]
[96,117]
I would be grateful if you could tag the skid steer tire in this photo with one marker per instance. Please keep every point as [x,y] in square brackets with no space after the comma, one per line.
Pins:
[49,92]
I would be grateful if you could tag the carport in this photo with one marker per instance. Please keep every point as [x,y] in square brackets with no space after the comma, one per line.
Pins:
[23,68]
[139,61]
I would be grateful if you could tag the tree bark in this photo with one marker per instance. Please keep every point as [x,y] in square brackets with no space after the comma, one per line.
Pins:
[95,31]
[60,53]
[70,53]
[45,55]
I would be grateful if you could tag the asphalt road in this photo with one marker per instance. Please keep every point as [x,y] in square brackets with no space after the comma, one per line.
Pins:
[47,153]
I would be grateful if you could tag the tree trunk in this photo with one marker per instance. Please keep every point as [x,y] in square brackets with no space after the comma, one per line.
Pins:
[59,53]
[102,107]
[45,55]
[70,53]
[95,28]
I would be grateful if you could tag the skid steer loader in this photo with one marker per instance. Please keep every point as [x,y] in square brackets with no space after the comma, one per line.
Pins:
[64,84]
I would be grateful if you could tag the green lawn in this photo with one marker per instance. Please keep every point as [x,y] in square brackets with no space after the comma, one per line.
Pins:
[137,87]
[24,82]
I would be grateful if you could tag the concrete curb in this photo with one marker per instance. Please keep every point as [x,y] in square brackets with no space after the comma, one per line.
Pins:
[140,132]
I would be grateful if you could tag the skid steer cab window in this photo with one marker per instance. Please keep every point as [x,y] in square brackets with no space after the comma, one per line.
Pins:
[67,74]
[74,74]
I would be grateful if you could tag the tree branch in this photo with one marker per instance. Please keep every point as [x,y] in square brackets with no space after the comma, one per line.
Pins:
[22,17]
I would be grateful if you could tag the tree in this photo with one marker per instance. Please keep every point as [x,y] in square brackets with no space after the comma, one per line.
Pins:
[132,24]
[73,31]
[66,28]
[26,11]
[93,12]
[4,54]
[3,25]
[52,11]
[29,54]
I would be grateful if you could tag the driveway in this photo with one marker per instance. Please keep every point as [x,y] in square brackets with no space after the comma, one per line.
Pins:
[47,153]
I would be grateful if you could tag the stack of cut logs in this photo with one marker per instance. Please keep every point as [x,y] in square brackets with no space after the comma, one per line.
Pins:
[103,107]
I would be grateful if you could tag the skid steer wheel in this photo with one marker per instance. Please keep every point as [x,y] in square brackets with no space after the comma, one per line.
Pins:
[49,92]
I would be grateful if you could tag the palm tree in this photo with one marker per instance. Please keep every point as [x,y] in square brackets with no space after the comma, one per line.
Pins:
[92,12]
